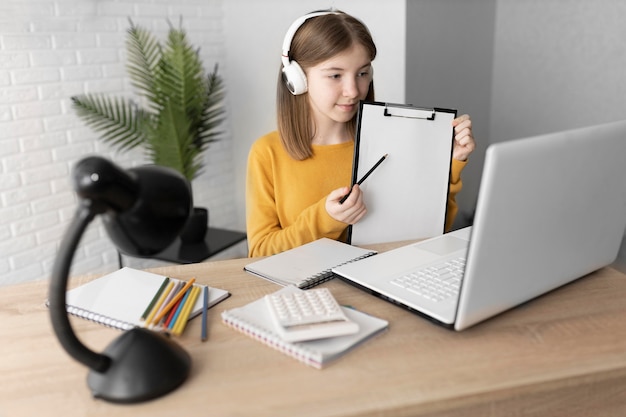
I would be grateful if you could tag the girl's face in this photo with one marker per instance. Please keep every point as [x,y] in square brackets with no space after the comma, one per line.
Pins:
[336,85]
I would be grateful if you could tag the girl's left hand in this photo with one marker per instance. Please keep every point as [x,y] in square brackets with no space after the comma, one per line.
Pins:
[464,143]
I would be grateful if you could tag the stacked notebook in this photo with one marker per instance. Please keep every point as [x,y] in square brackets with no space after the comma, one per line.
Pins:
[254,320]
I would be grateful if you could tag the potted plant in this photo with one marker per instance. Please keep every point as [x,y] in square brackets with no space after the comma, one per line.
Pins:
[178,112]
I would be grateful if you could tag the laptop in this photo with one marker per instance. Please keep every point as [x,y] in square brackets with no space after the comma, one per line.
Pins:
[550,209]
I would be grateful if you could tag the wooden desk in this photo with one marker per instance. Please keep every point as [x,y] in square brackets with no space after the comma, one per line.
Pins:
[563,354]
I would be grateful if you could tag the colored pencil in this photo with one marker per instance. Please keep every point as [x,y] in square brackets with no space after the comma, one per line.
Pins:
[172,313]
[182,320]
[205,310]
[177,286]
[177,310]
[155,298]
[174,326]
[158,304]
[169,306]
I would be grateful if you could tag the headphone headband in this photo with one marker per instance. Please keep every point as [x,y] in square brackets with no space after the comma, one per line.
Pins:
[293,29]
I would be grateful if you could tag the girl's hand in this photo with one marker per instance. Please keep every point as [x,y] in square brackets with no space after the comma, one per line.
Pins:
[352,210]
[464,143]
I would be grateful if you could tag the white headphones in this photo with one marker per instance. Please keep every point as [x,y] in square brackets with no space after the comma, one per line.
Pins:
[293,74]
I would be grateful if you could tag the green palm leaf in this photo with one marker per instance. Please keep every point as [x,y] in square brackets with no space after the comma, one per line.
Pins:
[120,123]
[144,55]
[213,113]
[171,144]
[184,103]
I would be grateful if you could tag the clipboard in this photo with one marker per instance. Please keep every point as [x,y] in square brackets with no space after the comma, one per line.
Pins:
[407,195]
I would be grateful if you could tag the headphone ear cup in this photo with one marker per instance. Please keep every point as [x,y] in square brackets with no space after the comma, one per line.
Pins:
[294,78]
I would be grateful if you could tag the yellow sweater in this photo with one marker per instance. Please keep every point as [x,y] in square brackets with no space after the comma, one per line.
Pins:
[285,198]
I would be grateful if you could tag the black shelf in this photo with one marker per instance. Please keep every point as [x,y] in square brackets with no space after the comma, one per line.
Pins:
[215,241]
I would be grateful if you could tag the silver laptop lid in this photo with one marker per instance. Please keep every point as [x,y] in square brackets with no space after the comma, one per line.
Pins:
[551,209]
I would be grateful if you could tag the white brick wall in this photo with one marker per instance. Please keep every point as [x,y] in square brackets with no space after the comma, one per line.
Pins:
[49,51]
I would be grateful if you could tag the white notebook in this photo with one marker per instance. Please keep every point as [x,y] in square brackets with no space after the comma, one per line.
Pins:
[254,320]
[307,265]
[120,298]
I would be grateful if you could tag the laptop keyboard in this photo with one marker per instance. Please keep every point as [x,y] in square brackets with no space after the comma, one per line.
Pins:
[437,282]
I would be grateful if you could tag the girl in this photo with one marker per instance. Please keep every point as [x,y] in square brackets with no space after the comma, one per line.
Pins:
[298,174]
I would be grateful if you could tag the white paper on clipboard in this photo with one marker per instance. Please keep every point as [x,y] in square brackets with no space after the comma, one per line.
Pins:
[407,195]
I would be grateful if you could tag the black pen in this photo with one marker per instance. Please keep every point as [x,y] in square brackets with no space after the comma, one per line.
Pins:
[367,174]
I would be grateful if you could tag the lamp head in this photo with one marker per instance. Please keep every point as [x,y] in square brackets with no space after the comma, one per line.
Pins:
[143,208]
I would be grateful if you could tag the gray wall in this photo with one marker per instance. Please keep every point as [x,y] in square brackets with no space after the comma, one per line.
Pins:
[558,64]
[519,67]
[449,64]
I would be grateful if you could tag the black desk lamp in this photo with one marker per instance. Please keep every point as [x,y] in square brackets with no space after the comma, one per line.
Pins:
[143,210]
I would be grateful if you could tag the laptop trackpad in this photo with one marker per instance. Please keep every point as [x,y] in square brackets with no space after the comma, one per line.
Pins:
[444,245]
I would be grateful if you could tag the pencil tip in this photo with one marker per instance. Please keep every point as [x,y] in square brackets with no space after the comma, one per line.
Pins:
[386,155]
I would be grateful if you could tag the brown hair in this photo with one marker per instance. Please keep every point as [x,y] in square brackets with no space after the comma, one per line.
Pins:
[318,39]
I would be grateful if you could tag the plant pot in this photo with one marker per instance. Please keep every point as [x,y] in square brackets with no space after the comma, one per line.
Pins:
[196,227]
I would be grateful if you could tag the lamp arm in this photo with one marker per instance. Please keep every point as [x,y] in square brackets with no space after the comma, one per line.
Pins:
[85,213]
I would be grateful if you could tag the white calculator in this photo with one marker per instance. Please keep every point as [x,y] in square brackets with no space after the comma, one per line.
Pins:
[301,315]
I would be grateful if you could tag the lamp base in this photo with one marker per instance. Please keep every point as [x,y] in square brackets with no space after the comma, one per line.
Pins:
[144,365]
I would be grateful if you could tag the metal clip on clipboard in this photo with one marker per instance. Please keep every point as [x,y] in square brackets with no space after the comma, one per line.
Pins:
[409,112]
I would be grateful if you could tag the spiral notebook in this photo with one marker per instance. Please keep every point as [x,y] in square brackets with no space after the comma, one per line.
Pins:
[120,298]
[307,265]
[254,320]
